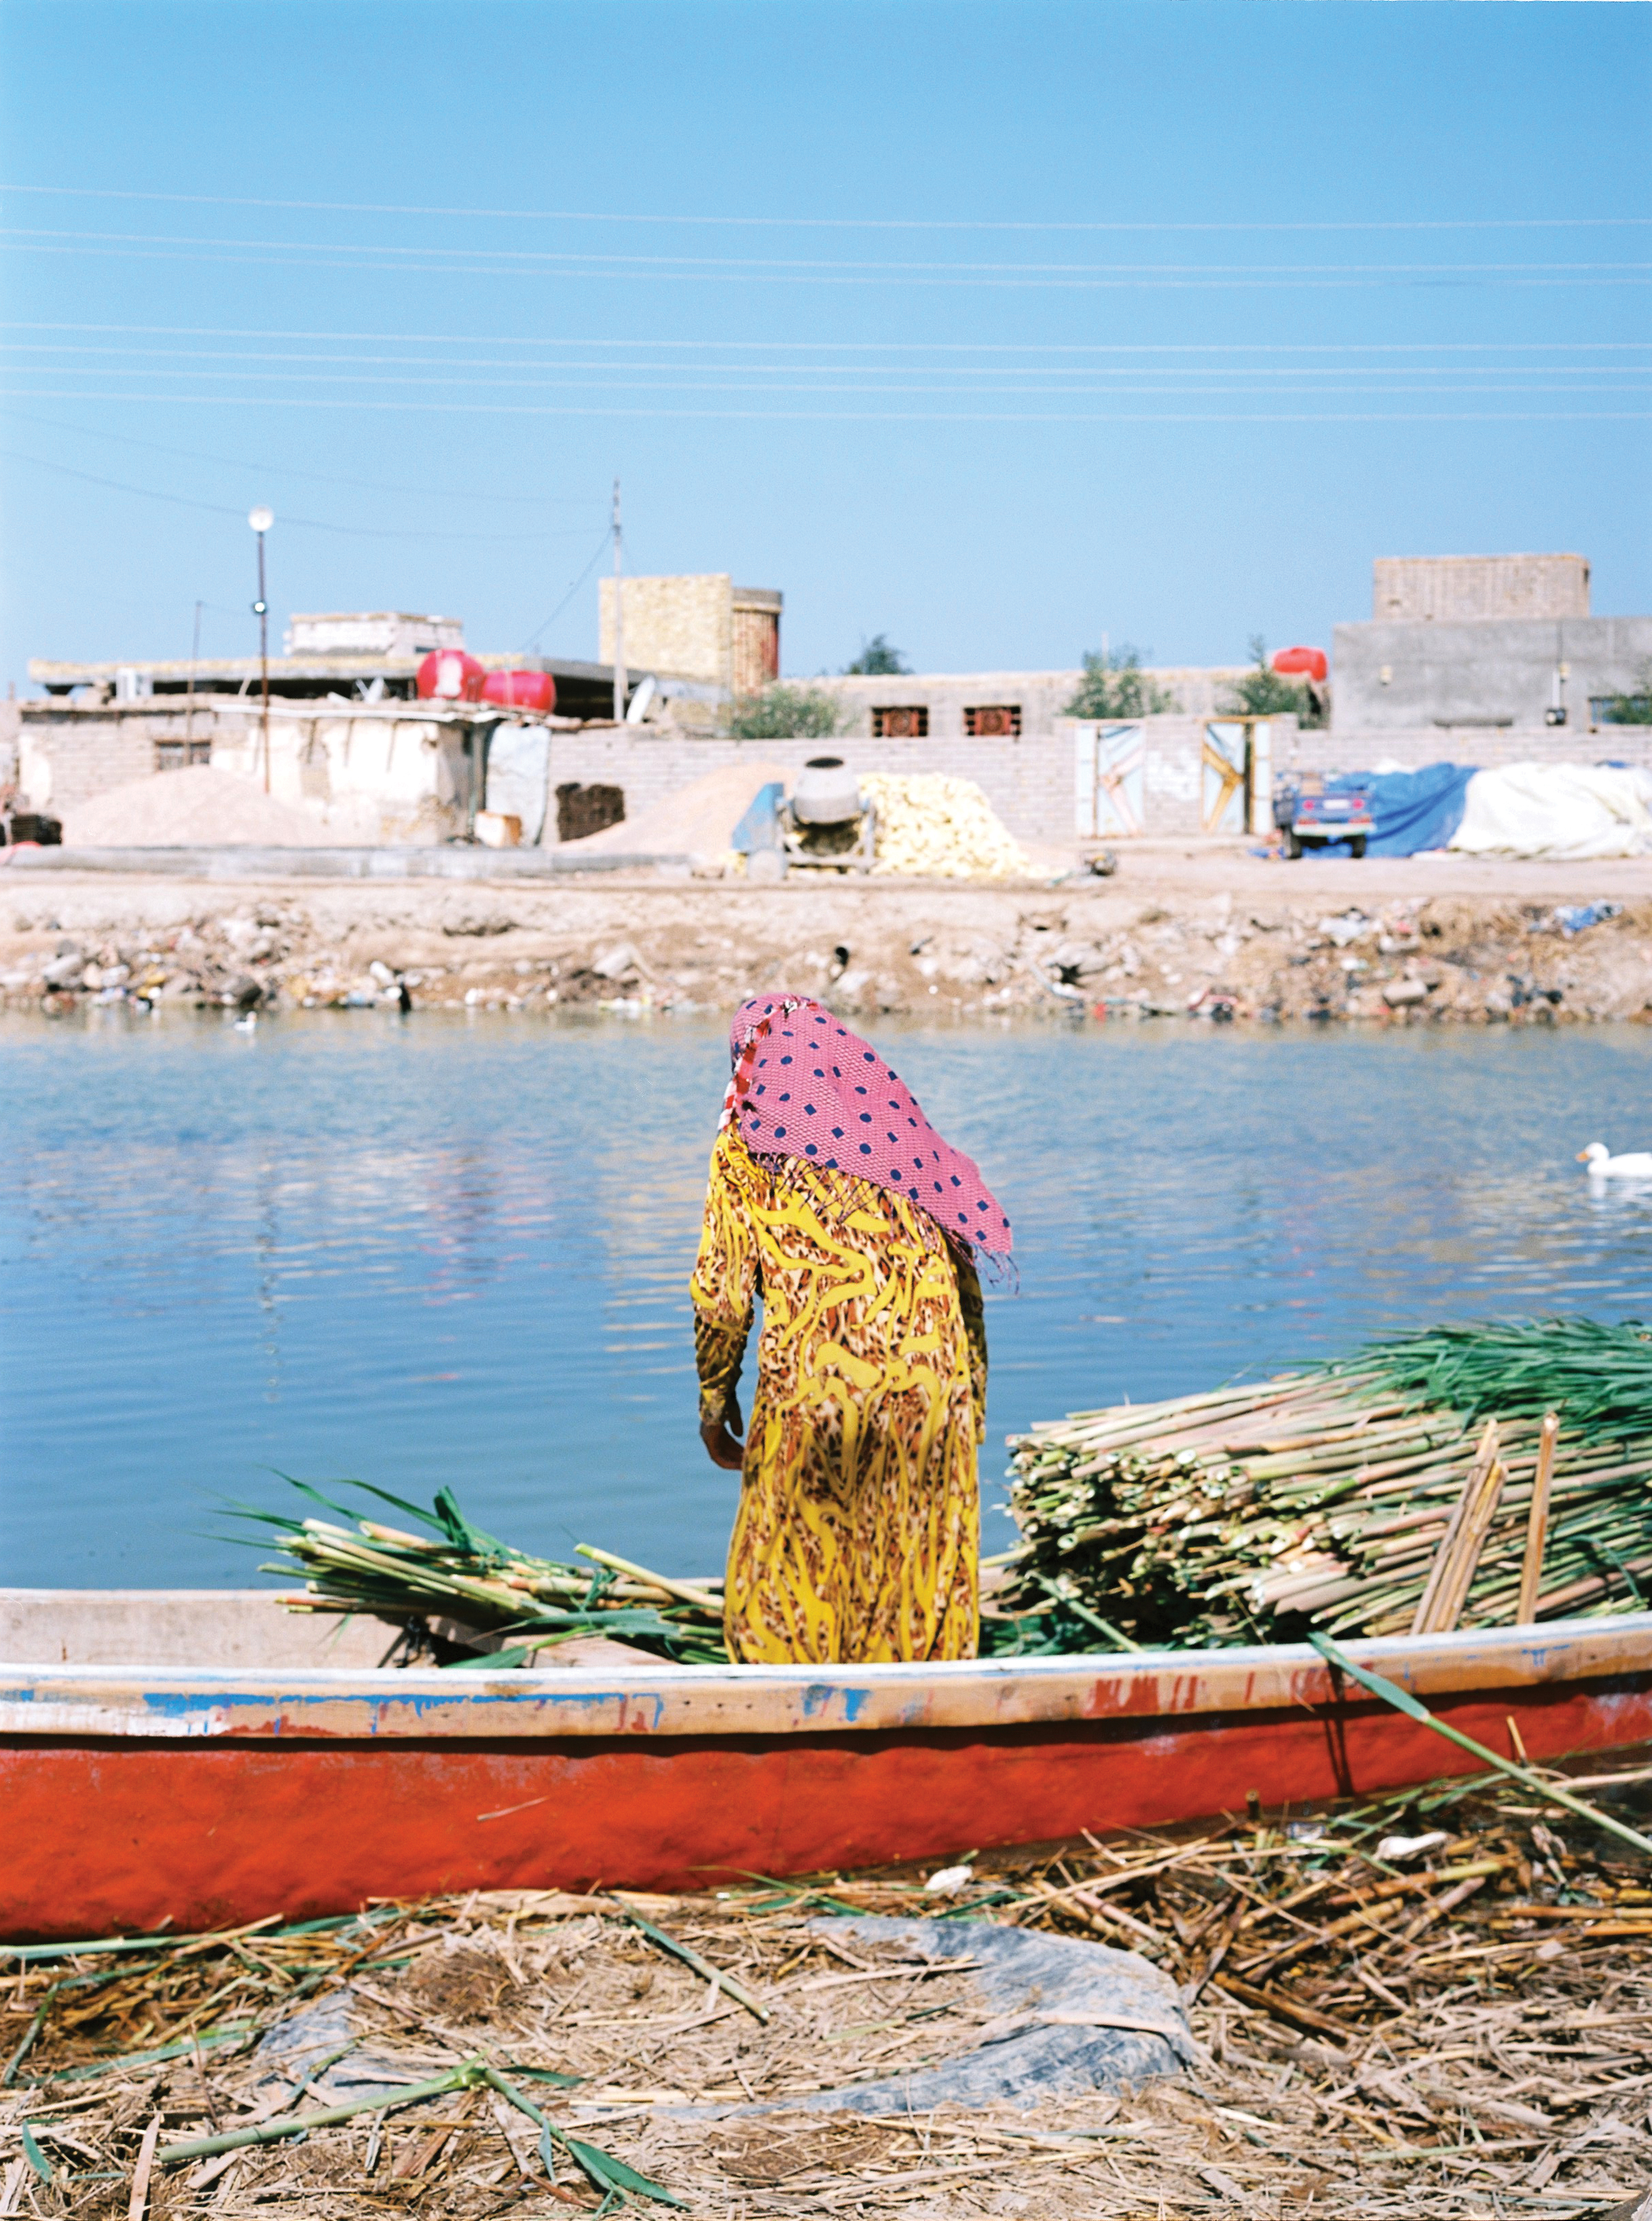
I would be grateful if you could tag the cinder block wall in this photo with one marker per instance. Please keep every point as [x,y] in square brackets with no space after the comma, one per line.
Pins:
[1484,745]
[66,756]
[1028,781]
[1040,696]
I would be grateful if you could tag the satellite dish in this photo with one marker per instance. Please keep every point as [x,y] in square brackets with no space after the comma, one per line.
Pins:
[260,519]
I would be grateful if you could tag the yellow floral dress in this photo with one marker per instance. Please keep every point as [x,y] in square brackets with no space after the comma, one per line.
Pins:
[857,1538]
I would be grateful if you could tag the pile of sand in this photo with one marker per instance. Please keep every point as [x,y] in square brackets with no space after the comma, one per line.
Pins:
[934,827]
[199,808]
[698,820]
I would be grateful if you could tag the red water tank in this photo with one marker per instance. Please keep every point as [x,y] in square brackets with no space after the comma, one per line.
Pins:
[521,690]
[1301,663]
[448,674]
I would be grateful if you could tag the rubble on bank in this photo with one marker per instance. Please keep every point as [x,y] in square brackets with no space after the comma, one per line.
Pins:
[1098,951]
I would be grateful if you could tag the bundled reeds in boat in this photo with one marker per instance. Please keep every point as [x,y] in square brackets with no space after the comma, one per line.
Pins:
[1325,1495]
[456,1573]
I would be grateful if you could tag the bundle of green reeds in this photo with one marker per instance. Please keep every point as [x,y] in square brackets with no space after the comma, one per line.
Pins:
[457,1572]
[1325,1495]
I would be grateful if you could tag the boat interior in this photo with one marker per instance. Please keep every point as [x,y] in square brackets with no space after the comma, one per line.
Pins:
[242,1629]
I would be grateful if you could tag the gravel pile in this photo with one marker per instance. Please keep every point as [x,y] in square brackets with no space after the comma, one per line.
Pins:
[199,808]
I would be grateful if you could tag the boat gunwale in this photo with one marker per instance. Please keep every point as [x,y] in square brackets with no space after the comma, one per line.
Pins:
[144,1703]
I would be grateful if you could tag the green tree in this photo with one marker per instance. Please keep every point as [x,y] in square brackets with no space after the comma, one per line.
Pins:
[787,713]
[877,659]
[1115,685]
[1265,692]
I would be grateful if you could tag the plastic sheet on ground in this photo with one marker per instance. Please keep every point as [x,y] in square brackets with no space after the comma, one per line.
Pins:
[1411,810]
[1557,809]
[1071,2015]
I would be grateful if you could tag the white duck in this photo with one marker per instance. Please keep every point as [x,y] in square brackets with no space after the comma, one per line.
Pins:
[1604,1166]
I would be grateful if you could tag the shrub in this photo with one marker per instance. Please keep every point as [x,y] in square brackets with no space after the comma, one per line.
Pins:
[1115,685]
[786,713]
[1634,709]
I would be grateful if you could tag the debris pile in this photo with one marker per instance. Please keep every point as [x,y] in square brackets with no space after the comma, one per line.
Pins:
[1433,2003]
[1095,951]
[932,826]
[1344,1496]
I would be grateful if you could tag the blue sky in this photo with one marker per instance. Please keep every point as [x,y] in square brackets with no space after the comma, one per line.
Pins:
[992,327]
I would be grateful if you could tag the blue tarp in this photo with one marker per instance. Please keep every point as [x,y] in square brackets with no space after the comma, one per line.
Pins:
[760,826]
[1411,810]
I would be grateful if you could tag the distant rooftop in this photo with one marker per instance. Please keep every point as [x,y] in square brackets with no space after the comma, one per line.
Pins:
[357,654]
[372,632]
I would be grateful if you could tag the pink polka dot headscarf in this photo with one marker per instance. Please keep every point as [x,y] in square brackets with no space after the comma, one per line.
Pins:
[803,1085]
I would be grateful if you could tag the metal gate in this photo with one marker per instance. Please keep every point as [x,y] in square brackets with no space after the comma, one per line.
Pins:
[1236,776]
[1223,777]
[1110,780]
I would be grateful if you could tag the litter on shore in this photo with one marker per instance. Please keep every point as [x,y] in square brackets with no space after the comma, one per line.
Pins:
[1433,2001]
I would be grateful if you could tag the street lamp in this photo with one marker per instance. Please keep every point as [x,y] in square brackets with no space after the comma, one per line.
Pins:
[261,519]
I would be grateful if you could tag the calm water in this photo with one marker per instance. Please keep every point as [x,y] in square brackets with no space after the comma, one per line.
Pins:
[456,1249]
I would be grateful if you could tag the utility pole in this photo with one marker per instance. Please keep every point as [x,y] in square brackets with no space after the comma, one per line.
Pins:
[261,519]
[619,613]
[195,658]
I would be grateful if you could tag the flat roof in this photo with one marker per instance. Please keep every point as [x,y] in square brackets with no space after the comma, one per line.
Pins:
[179,670]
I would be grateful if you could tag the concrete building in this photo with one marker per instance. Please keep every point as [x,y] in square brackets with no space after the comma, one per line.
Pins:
[363,656]
[1427,589]
[369,773]
[699,626]
[1486,660]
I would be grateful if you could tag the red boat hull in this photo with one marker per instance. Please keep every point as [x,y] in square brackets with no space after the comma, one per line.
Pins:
[214,1804]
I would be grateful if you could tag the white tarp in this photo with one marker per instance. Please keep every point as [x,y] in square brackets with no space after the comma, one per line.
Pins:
[518,765]
[1556,810]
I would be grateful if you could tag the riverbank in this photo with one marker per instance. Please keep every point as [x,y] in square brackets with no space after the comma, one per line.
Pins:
[1475,2050]
[1211,933]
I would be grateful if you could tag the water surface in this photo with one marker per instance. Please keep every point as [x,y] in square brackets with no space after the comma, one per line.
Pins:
[456,1249]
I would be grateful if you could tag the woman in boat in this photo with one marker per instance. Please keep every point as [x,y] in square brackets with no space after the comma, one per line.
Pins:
[833,1199]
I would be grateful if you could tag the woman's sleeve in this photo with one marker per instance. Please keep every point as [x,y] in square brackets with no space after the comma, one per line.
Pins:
[969,1302]
[723,1286]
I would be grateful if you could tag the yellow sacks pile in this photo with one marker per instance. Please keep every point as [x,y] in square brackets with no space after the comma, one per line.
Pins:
[932,826]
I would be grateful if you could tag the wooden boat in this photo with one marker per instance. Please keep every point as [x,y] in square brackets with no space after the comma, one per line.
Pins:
[202,1758]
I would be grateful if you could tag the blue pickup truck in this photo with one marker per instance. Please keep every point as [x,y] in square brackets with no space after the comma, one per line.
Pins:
[1308,818]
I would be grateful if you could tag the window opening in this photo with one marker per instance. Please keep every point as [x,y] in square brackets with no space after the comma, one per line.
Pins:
[994,721]
[178,755]
[906,721]
[582,810]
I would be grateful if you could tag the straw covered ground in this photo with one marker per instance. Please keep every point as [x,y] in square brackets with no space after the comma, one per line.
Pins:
[1437,2003]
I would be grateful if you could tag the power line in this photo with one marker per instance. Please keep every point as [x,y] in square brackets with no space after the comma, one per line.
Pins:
[596,559]
[711,266]
[679,382]
[447,365]
[869,416]
[300,523]
[287,470]
[1354,277]
[848,223]
[875,346]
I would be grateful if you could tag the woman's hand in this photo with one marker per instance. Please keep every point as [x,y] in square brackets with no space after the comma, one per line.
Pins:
[722,1446]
